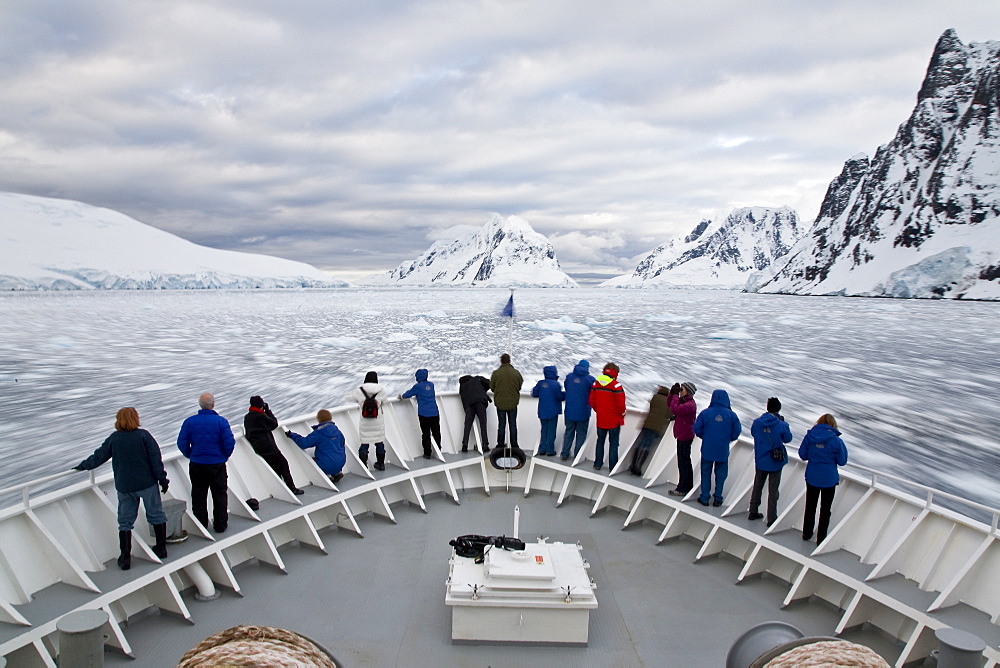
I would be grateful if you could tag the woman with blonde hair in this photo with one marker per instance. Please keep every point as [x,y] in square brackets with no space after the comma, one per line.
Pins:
[824,451]
[138,469]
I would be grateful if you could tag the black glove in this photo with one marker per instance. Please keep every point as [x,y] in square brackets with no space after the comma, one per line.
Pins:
[78,468]
[164,484]
[288,434]
[675,388]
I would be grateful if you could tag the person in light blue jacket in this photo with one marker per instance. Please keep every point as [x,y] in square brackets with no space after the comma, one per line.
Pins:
[550,398]
[427,411]
[824,451]
[326,437]
[770,433]
[717,426]
[577,384]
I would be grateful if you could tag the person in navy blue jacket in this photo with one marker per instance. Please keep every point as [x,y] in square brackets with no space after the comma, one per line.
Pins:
[550,398]
[326,437]
[207,441]
[770,433]
[577,420]
[824,451]
[138,468]
[427,411]
[717,426]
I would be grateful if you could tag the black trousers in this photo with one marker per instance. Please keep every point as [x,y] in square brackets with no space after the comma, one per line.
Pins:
[773,479]
[472,413]
[205,477]
[429,426]
[505,418]
[277,461]
[684,469]
[825,497]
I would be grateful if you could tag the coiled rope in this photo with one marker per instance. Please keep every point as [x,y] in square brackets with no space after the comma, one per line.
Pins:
[828,654]
[256,646]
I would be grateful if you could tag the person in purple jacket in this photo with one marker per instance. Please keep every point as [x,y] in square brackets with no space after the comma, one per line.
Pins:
[207,441]
[717,426]
[824,451]
[684,408]
[577,390]
[550,398]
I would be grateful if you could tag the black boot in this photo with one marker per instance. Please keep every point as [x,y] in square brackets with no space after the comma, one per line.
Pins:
[364,459]
[634,466]
[160,549]
[125,545]
[380,462]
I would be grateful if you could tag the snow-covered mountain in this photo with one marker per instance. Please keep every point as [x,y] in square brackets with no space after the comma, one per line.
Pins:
[505,252]
[921,219]
[56,244]
[721,254]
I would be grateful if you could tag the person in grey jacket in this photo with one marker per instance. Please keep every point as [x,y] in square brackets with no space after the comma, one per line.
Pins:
[139,476]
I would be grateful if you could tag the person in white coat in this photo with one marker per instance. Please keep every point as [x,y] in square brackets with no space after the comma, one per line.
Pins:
[371,427]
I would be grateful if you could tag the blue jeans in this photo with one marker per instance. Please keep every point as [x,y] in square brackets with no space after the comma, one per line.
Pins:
[128,507]
[721,473]
[646,437]
[612,447]
[574,429]
[379,449]
[503,419]
[547,443]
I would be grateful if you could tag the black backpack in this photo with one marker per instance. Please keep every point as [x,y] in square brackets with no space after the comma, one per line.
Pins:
[369,407]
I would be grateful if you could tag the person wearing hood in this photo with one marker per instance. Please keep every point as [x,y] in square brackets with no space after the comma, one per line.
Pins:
[717,426]
[371,428]
[326,437]
[824,451]
[577,419]
[607,398]
[506,384]
[770,433]
[473,391]
[658,417]
[684,408]
[258,426]
[550,399]
[427,411]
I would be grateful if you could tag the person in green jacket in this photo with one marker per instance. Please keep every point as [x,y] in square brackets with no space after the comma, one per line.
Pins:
[505,383]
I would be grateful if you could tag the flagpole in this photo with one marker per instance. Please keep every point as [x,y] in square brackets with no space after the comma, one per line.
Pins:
[510,329]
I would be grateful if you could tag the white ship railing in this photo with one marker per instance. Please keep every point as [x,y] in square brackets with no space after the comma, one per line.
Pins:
[62,536]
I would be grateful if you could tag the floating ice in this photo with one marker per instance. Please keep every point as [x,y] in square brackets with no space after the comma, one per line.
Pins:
[419,323]
[737,333]
[598,323]
[339,341]
[669,317]
[396,337]
[155,387]
[563,324]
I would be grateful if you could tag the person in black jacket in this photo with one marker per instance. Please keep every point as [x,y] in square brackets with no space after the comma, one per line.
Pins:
[473,391]
[258,426]
[138,469]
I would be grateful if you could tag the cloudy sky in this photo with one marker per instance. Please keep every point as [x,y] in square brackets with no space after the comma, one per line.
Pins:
[351,134]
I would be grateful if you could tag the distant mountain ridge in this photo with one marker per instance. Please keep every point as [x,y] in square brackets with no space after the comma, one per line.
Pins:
[55,244]
[921,218]
[505,252]
[719,254]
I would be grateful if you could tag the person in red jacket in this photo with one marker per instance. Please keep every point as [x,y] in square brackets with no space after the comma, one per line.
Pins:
[607,398]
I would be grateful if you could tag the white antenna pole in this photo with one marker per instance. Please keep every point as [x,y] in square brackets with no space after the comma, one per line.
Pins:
[517,520]
[510,330]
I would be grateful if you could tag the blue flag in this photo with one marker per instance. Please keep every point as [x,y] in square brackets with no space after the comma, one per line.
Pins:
[508,310]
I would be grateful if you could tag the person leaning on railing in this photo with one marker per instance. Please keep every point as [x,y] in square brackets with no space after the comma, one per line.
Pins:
[138,470]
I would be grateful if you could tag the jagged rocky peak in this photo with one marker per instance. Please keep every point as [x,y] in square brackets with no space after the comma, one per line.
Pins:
[719,254]
[921,219]
[506,251]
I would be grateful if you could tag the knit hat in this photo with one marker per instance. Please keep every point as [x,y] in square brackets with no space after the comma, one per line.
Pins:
[256,401]
[691,389]
[371,377]
[773,405]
